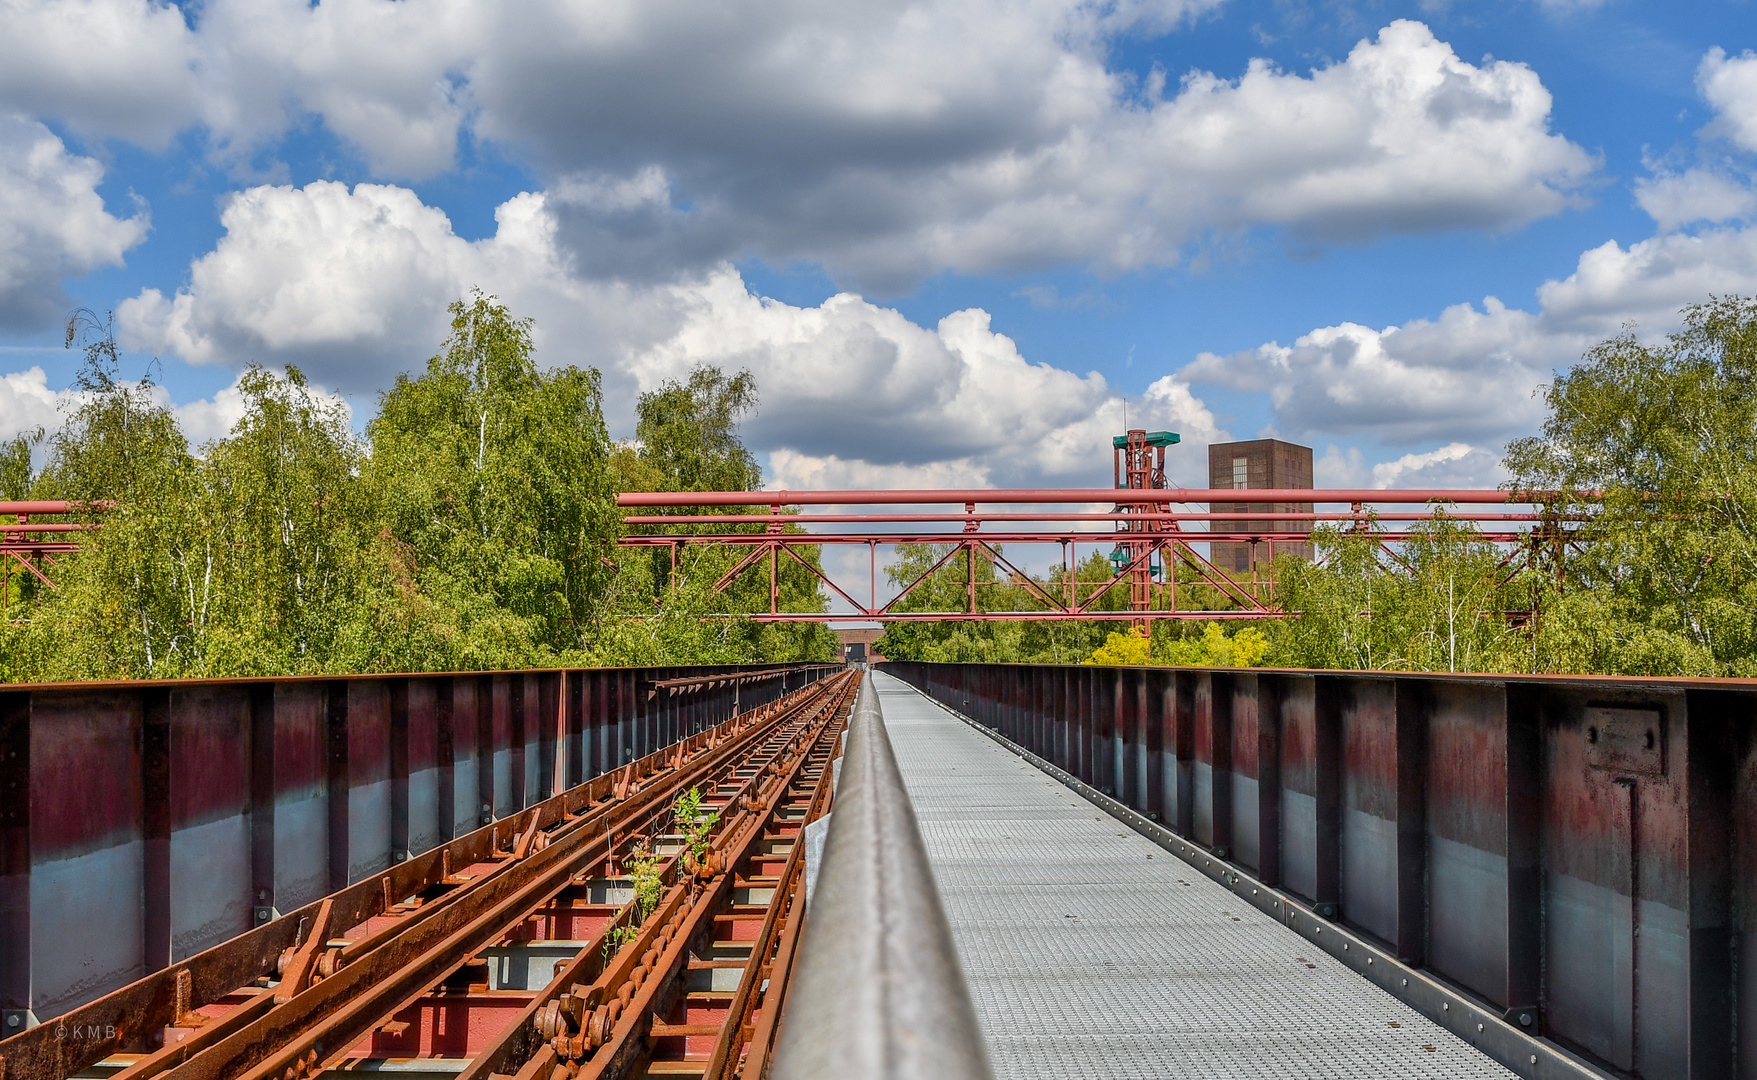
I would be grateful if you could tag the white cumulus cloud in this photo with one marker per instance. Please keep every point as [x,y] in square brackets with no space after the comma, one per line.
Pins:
[1673,200]
[1470,374]
[27,403]
[1455,465]
[851,381]
[117,68]
[1729,83]
[348,281]
[352,285]
[1401,136]
[887,141]
[53,223]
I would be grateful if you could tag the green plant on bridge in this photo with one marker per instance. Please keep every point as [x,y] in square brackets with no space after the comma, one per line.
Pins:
[643,873]
[695,826]
[642,868]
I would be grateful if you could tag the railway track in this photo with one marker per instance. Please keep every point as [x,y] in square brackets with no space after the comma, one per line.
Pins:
[642,924]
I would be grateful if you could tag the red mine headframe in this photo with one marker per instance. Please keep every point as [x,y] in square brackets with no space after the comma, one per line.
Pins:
[1139,464]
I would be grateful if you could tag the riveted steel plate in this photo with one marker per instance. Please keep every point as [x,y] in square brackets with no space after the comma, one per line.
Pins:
[1625,740]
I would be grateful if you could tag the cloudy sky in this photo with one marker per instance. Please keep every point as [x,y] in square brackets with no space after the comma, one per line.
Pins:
[954,239]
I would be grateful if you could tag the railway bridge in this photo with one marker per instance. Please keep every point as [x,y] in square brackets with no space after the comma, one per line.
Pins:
[953,870]
[956,870]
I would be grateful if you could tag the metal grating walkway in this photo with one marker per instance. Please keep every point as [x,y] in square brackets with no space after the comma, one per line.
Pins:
[1093,953]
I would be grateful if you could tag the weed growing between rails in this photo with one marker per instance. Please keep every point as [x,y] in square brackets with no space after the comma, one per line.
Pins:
[649,885]
[697,829]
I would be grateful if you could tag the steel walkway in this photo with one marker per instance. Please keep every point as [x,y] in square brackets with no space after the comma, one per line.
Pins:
[1091,952]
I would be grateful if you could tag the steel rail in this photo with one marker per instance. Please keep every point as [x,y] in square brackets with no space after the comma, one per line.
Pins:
[879,994]
[306,1040]
[763,986]
[232,1015]
[290,1037]
[603,1020]
[715,907]
[357,1019]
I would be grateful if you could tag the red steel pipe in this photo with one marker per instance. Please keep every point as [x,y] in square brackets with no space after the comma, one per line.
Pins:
[51,506]
[810,539]
[993,496]
[52,527]
[1208,515]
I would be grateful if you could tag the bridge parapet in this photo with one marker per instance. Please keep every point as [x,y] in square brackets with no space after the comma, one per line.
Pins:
[142,822]
[1569,853]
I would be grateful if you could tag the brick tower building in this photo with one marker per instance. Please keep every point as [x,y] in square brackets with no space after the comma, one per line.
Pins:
[1257,465]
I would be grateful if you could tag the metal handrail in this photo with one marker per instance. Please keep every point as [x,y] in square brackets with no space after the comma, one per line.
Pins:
[877,993]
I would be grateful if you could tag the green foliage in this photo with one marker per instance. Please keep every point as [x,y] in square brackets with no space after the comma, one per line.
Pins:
[688,433]
[1665,581]
[697,827]
[241,561]
[1215,648]
[642,868]
[132,604]
[1436,603]
[474,527]
[1128,648]
[16,474]
[492,479]
[616,937]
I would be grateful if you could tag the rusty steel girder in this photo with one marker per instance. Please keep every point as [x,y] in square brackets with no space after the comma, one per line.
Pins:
[1557,868]
[313,987]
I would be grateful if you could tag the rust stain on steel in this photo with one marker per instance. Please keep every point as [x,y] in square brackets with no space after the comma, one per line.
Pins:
[351,964]
[1574,848]
[76,808]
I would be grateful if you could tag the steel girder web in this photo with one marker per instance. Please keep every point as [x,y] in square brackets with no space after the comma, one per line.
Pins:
[407,966]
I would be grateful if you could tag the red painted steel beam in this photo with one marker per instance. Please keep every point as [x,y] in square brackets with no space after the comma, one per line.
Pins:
[995,496]
[957,519]
[812,539]
[881,615]
[51,506]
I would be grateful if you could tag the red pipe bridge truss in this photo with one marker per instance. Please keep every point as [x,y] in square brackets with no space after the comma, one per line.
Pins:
[29,546]
[1137,525]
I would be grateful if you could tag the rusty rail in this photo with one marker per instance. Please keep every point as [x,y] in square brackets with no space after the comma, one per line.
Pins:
[398,966]
[163,819]
[673,687]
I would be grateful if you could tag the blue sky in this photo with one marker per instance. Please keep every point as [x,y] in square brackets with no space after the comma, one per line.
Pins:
[954,241]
